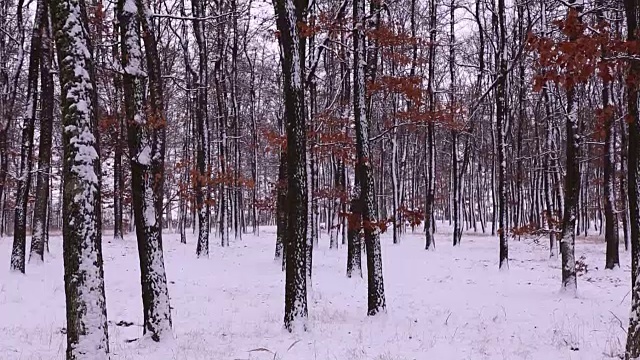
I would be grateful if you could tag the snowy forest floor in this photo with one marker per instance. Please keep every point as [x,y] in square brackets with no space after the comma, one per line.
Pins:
[446,304]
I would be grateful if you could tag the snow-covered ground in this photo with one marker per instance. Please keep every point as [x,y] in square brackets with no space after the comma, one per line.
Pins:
[446,304]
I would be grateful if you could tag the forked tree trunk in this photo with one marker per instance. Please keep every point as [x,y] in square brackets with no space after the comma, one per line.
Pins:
[146,125]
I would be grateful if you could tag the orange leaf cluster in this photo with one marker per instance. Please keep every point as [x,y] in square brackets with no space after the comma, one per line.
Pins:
[388,37]
[275,141]
[409,86]
[577,56]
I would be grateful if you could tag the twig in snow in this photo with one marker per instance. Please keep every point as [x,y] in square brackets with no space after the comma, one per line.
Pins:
[275,354]
[292,345]
[625,296]
[619,321]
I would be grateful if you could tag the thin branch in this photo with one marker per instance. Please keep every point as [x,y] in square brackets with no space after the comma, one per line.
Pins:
[192,18]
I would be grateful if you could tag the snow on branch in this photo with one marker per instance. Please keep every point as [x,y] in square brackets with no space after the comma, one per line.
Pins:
[193,18]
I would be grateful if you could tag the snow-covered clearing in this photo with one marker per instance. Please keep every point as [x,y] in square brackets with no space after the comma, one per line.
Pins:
[446,304]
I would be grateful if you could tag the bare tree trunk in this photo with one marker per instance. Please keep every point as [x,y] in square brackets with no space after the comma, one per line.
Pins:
[571,191]
[611,221]
[281,207]
[146,125]
[632,11]
[202,160]
[354,234]
[40,238]
[430,147]
[292,45]
[364,172]
[501,64]
[624,195]
[456,178]
[26,149]
[86,310]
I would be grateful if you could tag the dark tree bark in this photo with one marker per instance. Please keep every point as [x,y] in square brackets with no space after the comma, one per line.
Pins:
[186,149]
[224,193]
[254,145]
[501,63]
[292,45]
[430,162]
[9,82]
[118,180]
[549,166]
[567,236]
[202,147]
[82,245]
[364,171]
[354,234]
[26,150]
[611,237]
[624,195]
[118,176]
[456,174]
[155,294]
[146,137]
[40,225]
[632,11]
[281,207]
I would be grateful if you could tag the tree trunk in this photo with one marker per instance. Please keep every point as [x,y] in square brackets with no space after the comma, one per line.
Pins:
[86,310]
[611,221]
[26,149]
[456,178]
[201,183]
[632,11]
[281,207]
[40,238]
[364,171]
[571,193]
[292,45]
[624,195]
[501,63]
[430,147]
[354,231]
[146,137]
